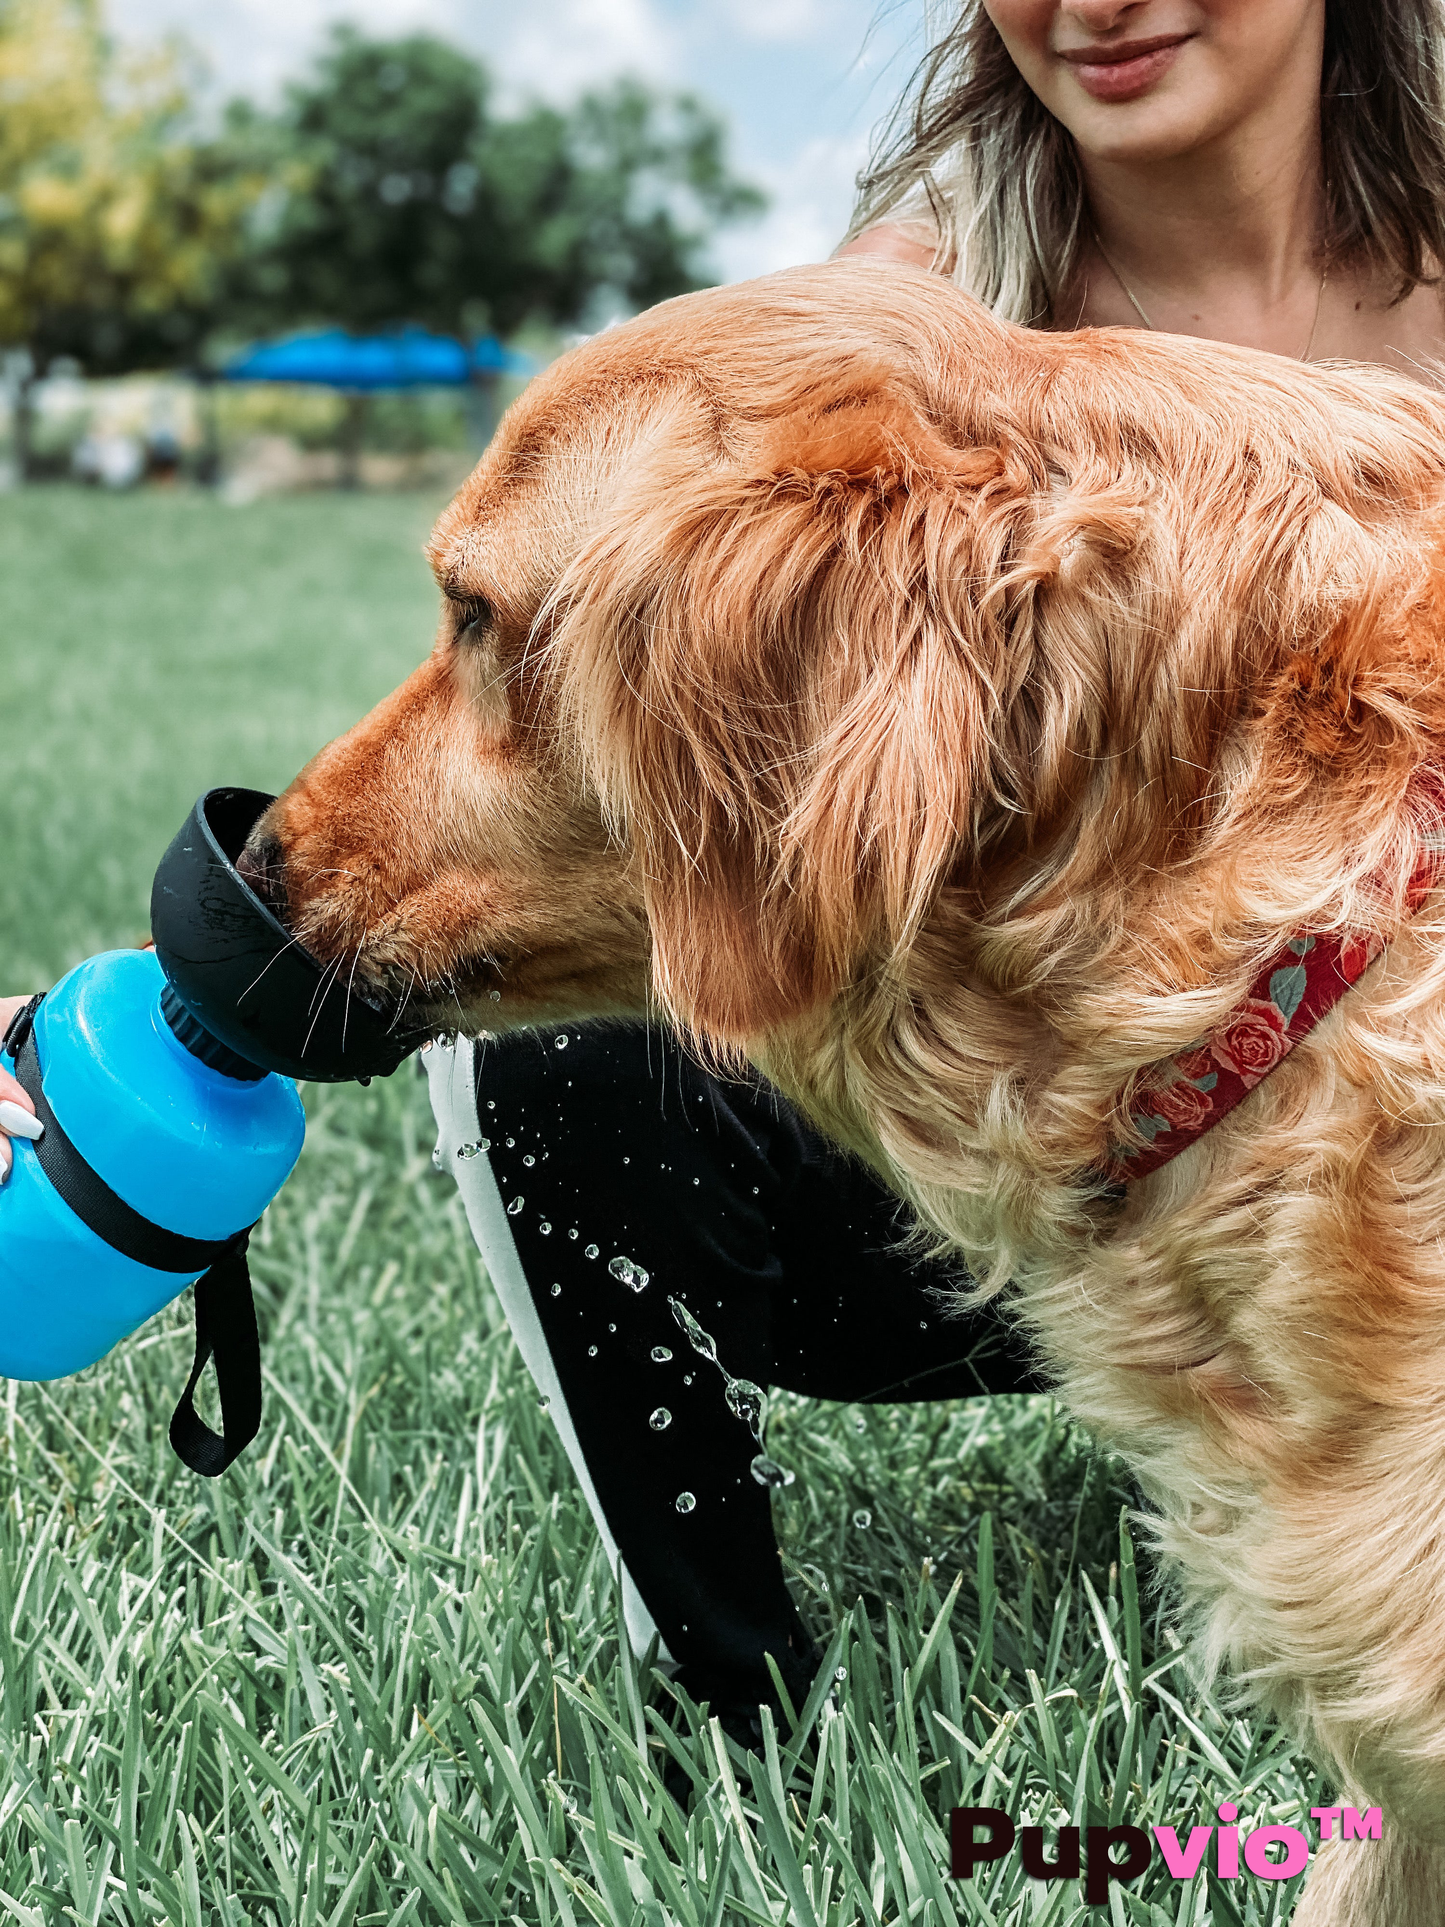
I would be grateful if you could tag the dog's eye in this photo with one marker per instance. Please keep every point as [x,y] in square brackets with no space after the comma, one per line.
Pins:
[474,618]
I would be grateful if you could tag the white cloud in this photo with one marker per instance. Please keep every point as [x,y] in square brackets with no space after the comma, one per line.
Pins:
[773,19]
[569,44]
[812,199]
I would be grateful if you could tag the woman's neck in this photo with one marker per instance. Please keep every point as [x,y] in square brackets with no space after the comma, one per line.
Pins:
[1220,243]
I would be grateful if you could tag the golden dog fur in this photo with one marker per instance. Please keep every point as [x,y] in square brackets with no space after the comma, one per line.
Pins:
[953,718]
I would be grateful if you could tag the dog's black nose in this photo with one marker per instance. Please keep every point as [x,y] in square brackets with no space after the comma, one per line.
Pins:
[262,866]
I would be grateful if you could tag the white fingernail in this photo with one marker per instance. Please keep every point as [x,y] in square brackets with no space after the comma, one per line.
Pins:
[7,1157]
[16,1122]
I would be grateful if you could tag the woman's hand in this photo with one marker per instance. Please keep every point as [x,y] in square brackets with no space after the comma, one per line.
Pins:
[17,1113]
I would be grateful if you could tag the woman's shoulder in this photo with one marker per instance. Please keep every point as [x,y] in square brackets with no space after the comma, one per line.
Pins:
[909,242]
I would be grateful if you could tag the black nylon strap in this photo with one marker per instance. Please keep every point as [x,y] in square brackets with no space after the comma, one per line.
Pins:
[225,1310]
[91,1198]
[225,1327]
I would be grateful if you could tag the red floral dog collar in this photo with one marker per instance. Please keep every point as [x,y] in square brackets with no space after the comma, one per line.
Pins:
[1181,1097]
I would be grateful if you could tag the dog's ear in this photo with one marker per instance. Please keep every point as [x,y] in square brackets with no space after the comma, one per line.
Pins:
[782,673]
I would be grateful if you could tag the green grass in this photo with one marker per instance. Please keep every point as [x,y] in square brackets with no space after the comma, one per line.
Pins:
[376,1673]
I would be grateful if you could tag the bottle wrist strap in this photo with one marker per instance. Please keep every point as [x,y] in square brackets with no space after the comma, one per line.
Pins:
[224,1308]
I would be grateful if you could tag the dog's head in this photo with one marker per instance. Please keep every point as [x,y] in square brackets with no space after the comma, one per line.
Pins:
[789,619]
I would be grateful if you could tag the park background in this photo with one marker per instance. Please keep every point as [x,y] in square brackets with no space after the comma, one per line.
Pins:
[377,1673]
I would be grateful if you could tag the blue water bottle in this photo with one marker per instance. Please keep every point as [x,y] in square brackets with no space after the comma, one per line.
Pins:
[163,1081]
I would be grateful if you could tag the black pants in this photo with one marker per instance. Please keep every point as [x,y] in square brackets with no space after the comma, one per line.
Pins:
[618,1159]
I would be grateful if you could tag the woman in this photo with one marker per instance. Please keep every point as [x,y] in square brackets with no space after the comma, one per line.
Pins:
[1155,163]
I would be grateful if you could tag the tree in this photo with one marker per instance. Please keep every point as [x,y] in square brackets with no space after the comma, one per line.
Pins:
[114,230]
[411,201]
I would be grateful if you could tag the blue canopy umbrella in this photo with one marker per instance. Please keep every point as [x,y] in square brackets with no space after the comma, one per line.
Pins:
[361,365]
[403,358]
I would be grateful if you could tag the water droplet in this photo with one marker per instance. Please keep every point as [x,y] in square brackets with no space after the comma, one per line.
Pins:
[923,1324]
[660,1419]
[842,1673]
[697,1180]
[746,1401]
[495,995]
[529,1160]
[860,1424]
[769,1473]
[544,1404]
[684,1502]
[466,1152]
[562,1041]
[630,1274]
[612,1328]
[591,1351]
[556,1291]
[491,1103]
[627,1160]
[516,1205]
[862,1518]
[573,1232]
[660,1354]
[436,1159]
[545,1228]
[511,1144]
[687,1378]
[589,1251]
[702,1342]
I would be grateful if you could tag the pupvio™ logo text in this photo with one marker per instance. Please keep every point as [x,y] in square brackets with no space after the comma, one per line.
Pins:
[1269,1853]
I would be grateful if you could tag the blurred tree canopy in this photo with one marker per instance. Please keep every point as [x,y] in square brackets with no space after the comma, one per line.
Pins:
[116,232]
[385,189]
[409,199]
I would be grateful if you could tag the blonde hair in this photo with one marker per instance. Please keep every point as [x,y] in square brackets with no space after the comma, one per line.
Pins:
[974,157]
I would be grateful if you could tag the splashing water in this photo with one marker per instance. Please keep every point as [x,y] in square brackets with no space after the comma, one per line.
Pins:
[660,1419]
[514,1208]
[746,1401]
[436,1159]
[589,1251]
[702,1342]
[562,1041]
[630,1274]
[466,1152]
[769,1473]
[660,1354]
[862,1518]
[685,1501]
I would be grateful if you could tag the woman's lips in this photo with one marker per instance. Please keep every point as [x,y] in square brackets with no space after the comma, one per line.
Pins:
[1127,78]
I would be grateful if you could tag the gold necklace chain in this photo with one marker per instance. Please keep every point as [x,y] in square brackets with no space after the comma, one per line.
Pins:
[1138,305]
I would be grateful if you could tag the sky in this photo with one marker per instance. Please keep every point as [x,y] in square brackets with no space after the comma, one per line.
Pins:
[801,83]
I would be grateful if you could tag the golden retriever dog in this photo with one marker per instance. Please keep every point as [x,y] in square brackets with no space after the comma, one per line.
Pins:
[952,720]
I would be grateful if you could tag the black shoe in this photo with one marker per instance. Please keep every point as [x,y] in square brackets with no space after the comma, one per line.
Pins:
[738,1713]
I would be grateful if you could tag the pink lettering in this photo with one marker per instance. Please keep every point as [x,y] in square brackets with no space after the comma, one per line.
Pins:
[1183,1862]
[1226,1844]
[1362,1826]
[1327,1817]
[1296,1852]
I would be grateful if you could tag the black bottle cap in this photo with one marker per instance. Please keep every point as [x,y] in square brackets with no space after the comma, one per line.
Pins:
[239,972]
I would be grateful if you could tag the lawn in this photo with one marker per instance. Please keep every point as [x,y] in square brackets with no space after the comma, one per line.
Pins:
[374,1673]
